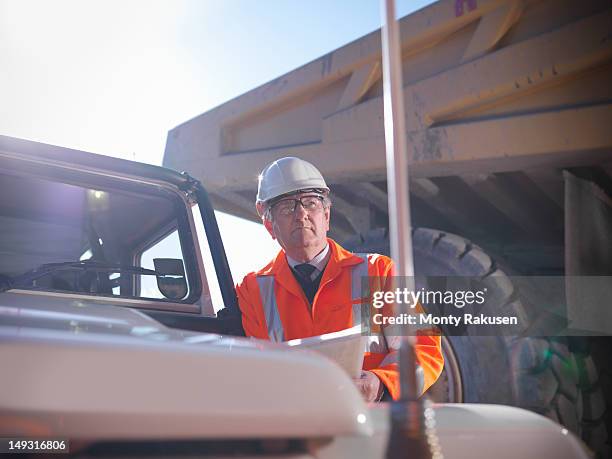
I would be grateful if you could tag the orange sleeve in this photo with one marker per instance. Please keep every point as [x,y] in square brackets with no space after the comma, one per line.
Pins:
[428,352]
[253,321]
[427,349]
[389,376]
[429,357]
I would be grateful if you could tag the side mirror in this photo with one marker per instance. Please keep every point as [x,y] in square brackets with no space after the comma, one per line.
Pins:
[171,280]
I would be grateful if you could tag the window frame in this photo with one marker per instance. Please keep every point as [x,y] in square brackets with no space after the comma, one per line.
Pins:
[114,182]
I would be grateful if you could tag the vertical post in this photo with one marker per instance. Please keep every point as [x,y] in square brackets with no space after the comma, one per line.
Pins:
[409,433]
[397,187]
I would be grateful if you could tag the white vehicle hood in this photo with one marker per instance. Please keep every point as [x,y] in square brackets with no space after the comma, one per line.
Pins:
[93,370]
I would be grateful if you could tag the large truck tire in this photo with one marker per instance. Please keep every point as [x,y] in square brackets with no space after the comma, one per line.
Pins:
[545,375]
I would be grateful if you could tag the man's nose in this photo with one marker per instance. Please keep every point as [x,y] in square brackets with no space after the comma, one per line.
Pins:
[299,213]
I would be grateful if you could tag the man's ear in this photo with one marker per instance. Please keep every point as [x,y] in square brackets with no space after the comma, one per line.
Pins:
[268,224]
[261,208]
[261,211]
[327,216]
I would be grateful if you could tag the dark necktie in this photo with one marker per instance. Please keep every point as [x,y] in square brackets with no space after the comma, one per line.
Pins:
[305,270]
[304,277]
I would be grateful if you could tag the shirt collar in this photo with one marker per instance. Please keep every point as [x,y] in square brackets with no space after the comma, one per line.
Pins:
[319,262]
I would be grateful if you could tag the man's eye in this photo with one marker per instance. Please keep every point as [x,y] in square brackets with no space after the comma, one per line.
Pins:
[285,207]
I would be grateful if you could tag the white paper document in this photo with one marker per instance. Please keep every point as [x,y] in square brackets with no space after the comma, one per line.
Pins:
[345,347]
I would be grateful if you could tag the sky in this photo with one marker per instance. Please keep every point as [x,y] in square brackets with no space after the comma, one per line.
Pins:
[114,76]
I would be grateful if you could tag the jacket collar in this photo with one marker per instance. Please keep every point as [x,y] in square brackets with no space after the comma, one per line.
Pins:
[279,267]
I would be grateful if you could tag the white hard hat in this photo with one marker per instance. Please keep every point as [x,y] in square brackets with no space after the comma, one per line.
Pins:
[287,175]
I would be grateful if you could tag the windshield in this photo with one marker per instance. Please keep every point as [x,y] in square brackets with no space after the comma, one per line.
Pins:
[44,223]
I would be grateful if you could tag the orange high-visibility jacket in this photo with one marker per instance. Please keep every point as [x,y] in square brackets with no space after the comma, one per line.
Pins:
[274,307]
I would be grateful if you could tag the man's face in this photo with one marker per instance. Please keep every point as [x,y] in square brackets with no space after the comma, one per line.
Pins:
[303,228]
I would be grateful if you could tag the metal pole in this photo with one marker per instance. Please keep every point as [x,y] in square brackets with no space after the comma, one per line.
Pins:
[410,434]
[397,187]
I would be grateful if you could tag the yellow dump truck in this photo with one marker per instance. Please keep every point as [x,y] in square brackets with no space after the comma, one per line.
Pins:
[509,125]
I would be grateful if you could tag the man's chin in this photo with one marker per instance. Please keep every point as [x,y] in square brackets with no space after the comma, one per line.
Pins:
[306,241]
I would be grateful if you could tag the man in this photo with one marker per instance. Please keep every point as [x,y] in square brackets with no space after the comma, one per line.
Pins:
[313,285]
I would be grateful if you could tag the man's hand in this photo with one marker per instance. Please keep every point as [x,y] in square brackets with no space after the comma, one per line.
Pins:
[370,386]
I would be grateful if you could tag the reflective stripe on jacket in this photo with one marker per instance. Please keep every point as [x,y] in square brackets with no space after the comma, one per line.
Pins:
[274,307]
